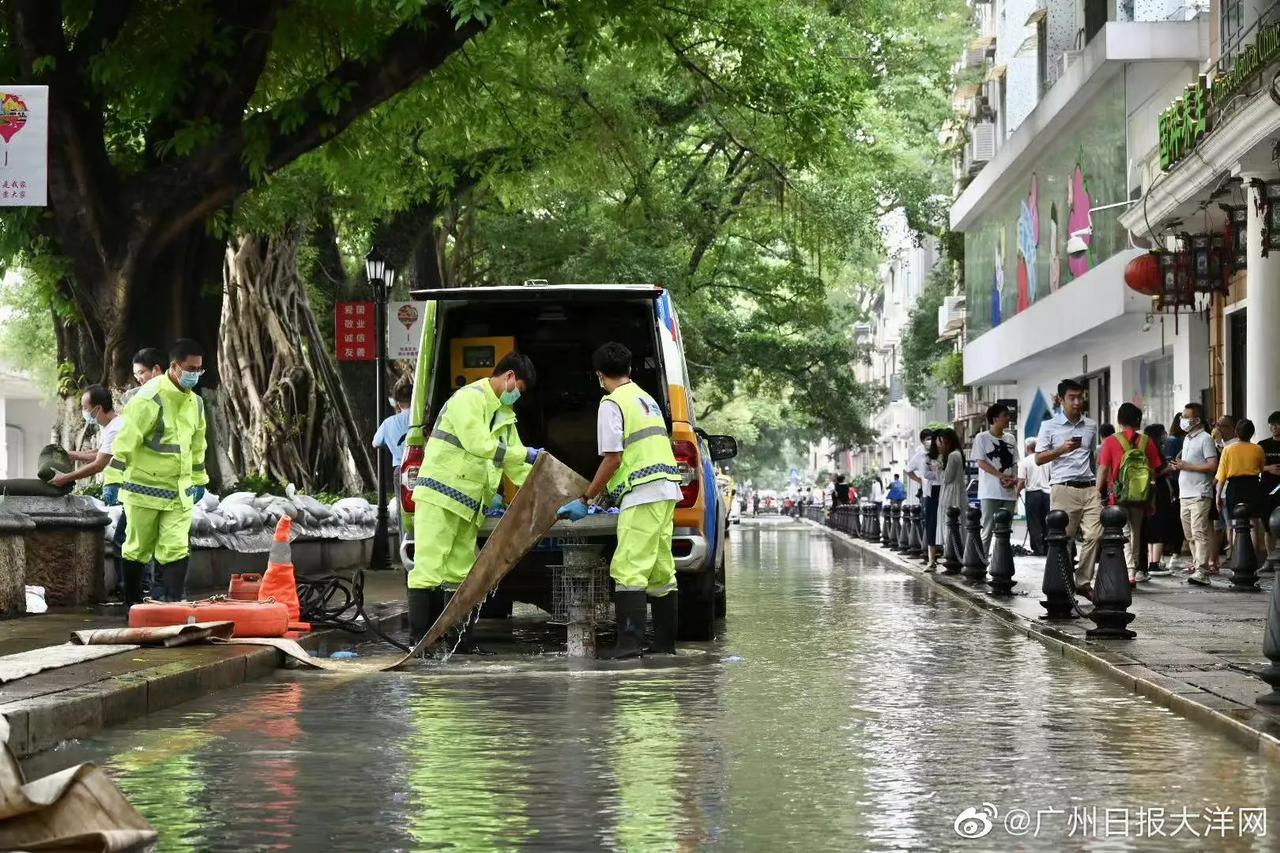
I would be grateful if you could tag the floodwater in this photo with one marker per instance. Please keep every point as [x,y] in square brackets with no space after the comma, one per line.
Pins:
[846,707]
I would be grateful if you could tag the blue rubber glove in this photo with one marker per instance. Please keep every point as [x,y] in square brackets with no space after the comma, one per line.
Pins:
[197,494]
[496,503]
[531,454]
[574,510]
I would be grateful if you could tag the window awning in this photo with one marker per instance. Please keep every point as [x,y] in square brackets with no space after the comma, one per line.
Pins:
[1030,47]
[1037,16]
[997,72]
[982,44]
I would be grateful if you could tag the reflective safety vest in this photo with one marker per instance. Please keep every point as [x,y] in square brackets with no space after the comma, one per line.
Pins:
[160,450]
[473,443]
[646,444]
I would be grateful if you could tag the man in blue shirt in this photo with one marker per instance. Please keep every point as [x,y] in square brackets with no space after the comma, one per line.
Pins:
[391,432]
[1066,444]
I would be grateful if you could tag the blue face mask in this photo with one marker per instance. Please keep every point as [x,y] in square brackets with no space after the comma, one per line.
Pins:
[509,398]
[190,378]
[89,418]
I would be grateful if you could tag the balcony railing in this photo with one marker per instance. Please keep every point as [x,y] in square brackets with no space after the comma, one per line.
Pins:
[1229,94]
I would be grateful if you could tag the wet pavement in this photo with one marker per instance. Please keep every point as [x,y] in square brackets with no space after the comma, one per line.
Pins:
[847,706]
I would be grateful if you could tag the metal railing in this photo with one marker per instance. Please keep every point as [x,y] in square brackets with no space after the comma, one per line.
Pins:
[1232,45]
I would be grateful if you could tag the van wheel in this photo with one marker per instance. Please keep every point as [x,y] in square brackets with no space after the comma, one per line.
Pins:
[697,606]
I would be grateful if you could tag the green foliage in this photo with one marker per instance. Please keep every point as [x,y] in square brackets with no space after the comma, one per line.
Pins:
[260,484]
[26,335]
[90,490]
[927,362]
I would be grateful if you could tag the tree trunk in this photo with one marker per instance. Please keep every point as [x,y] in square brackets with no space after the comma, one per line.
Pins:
[287,413]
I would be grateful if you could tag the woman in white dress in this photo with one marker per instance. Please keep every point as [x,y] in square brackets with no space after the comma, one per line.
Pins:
[945,450]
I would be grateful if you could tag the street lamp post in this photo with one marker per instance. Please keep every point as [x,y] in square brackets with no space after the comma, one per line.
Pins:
[381,278]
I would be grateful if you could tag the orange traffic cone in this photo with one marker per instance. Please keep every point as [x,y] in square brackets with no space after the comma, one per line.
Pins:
[279,582]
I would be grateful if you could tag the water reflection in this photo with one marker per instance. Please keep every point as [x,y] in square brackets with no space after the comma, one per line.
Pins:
[846,708]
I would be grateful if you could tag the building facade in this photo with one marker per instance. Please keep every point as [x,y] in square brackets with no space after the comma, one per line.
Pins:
[1210,176]
[1065,103]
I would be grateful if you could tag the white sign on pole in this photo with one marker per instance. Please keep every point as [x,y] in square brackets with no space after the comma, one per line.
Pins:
[24,146]
[404,329]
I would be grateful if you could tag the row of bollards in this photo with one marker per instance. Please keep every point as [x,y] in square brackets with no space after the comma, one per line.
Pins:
[902,529]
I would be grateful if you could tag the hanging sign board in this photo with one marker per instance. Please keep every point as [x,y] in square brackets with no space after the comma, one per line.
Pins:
[404,329]
[24,146]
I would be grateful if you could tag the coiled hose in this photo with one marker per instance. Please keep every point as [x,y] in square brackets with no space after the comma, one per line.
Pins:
[337,602]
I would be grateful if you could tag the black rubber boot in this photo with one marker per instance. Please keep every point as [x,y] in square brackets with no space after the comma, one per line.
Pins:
[173,580]
[131,575]
[422,613]
[665,613]
[629,611]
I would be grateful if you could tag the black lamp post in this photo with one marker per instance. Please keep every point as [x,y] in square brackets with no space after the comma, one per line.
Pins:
[381,277]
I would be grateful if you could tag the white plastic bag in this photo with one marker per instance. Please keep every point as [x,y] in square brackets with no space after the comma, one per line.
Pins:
[35,600]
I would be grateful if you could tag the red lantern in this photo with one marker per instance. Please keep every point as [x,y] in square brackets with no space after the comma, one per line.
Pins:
[1143,274]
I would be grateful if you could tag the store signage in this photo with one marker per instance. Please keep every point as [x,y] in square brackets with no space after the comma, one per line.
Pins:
[1191,117]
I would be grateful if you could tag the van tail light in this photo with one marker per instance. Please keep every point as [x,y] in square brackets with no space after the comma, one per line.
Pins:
[686,453]
[408,474]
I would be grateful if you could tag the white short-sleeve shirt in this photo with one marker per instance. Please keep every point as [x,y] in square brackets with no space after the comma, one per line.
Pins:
[109,432]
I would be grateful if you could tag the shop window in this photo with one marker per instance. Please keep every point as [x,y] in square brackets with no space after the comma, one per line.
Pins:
[1230,26]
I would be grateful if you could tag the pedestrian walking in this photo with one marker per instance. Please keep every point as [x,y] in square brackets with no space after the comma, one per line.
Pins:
[1239,479]
[840,497]
[639,471]
[162,449]
[1066,443]
[1128,464]
[1162,529]
[1034,480]
[1196,465]
[1271,473]
[391,432]
[877,491]
[954,479]
[897,491]
[474,442]
[997,459]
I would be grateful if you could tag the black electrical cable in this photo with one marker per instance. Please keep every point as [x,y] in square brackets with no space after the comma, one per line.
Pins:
[337,602]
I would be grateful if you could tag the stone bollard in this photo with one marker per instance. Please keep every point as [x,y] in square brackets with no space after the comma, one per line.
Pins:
[1059,597]
[912,523]
[922,535]
[1002,581]
[886,525]
[1244,559]
[902,527]
[853,519]
[1273,559]
[1271,638]
[952,550]
[873,522]
[975,562]
[1112,594]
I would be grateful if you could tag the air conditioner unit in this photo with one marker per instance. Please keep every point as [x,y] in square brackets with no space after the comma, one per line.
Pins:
[982,141]
[1068,59]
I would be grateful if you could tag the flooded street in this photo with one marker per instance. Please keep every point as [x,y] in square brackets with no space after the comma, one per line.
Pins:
[846,707]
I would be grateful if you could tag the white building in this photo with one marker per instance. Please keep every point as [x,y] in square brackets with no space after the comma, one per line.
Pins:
[28,417]
[1066,104]
[910,258]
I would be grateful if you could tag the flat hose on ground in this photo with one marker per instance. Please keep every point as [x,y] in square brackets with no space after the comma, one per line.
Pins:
[336,602]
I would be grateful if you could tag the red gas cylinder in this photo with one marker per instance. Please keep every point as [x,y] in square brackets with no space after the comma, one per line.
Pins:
[251,618]
[244,587]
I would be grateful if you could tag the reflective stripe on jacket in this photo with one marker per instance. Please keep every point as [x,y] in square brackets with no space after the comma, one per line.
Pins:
[473,443]
[161,448]
[646,443]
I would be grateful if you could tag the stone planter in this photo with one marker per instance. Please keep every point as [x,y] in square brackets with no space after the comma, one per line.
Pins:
[64,550]
[14,528]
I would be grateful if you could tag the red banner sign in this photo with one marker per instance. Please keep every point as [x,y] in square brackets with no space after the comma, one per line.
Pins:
[355,329]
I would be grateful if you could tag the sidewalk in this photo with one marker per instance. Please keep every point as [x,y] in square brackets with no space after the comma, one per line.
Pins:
[75,701]
[1196,651]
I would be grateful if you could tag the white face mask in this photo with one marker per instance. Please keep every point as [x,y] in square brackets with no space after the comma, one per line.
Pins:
[1186,424]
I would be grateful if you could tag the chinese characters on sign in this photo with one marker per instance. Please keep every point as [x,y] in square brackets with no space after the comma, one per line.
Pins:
[356,331]
[1092,822]
[24,146]
[1184,124]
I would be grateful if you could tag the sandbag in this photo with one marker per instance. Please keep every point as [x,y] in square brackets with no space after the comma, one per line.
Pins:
[209,502]
[238,498]
[54,459]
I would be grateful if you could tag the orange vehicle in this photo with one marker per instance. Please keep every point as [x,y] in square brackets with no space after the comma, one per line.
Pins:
[467,330]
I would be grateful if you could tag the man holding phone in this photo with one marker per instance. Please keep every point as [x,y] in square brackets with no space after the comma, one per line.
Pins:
[1066,444]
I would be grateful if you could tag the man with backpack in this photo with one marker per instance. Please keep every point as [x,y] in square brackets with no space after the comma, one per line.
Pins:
[1127,466]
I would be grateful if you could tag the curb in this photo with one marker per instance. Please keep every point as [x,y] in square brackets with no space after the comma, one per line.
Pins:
[1218,712]
[42,722]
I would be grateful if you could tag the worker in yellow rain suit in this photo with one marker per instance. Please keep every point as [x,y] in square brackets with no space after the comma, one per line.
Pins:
[473,443]
[161,452]
[639,470]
